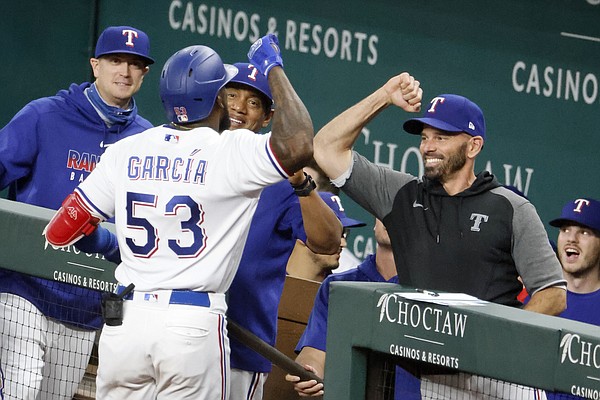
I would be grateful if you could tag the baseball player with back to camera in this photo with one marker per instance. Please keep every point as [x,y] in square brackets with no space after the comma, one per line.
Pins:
[46,150]
[183,196]
[285,213]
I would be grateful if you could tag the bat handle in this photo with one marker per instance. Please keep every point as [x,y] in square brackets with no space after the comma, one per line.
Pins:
[271,353]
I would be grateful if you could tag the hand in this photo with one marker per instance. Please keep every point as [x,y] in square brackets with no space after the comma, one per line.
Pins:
[404,92]
[265,54]
[306,388]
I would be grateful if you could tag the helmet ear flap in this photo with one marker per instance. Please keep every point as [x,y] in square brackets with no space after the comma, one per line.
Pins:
[190,82]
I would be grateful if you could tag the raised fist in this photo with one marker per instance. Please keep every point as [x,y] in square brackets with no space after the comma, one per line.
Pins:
[264,54]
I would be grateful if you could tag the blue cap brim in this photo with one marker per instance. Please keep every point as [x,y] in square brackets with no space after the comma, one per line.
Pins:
[415,125]
[351,223]
[147,59]
[231,71]
[560,222]
[567,221]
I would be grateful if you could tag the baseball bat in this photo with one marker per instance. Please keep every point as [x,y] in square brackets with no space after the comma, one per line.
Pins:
[269,352]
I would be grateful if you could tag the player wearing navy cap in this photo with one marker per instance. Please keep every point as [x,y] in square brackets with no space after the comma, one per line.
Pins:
[183,196]
[46,150]
[282,217]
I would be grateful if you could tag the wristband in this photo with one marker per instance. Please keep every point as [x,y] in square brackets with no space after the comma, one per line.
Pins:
[307,186]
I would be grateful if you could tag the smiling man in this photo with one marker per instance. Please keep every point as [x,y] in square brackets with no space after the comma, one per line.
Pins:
[46,150]
[119,75]
[452,229]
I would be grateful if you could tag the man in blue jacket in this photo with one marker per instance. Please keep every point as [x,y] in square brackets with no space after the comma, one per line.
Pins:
[46,150]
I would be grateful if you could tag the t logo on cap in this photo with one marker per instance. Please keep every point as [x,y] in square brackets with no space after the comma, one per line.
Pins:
[335,203]
[130,35]
[580,203]
[434,103]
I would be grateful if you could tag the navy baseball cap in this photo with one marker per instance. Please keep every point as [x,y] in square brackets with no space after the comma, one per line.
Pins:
[334,202]
[451,113]
[124,39]
[582,211]
[249,75]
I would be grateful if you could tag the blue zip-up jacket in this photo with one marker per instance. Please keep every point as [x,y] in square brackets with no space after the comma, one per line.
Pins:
[46,150]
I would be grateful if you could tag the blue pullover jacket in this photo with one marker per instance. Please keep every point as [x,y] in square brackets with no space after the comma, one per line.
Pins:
[46,150]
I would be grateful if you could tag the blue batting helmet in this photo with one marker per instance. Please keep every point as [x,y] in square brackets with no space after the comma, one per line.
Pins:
[249,75]
[190,82]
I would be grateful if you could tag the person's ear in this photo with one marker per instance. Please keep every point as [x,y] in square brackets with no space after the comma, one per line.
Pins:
[475,146]
[94,62]
[220,99]
[268,118]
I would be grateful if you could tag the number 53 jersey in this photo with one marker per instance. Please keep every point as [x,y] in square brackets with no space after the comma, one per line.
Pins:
[183,202]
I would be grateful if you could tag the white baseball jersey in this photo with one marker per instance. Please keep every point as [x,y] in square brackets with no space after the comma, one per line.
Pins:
[183,202]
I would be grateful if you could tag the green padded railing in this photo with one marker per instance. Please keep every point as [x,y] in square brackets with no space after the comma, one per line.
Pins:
[23,248]
[483,338]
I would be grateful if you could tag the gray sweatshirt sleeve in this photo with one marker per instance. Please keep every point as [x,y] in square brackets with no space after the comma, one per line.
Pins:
[372,186]
[535,260]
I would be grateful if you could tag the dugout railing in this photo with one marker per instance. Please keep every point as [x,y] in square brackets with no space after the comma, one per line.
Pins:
[23,248]
[373,323]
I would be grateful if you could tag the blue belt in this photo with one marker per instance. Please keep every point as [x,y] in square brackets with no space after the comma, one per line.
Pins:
[185,297]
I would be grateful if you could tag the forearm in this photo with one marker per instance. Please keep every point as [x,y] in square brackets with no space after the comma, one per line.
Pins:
[300,266]
[333,143]
[323,228]
[312,360]
[292,129]
[101,241]
[550,301]
[313,357]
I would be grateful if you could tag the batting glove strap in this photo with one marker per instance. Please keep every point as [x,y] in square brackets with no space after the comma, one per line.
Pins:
[265,54]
